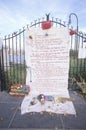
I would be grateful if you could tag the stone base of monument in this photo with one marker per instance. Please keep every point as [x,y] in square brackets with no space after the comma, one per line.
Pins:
[47,61]
[60,103]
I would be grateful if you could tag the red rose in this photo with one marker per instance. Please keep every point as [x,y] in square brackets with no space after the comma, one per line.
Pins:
[46,24]
[72,32]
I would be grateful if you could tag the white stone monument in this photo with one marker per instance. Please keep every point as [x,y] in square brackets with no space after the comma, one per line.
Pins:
[47,60]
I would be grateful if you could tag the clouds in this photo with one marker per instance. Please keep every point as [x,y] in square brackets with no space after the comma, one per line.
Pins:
[17,13]
[10,19]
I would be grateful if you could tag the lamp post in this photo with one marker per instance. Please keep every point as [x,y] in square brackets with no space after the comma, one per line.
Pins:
[76,19]
[76,36]
[85,37]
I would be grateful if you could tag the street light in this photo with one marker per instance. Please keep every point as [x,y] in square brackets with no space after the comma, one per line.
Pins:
[76,36]
[84,37]
[76,19]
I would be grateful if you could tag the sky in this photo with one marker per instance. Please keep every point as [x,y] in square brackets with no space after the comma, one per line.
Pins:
[15,14]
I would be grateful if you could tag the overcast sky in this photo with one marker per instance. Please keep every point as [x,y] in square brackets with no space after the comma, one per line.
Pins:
[14,14]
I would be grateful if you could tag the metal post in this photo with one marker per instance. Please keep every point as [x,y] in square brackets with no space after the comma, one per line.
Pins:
[76,20]
[47,17]
[76,36]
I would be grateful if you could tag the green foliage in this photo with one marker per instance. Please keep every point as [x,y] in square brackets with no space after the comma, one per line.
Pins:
[77,67]
[16,74]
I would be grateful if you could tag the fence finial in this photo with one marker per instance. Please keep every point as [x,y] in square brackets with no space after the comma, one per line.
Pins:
[47,16]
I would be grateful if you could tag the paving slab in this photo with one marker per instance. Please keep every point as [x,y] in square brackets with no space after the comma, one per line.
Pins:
[78,99]
[13,120]
[36,120]
[6,113]
[28,129]
[78,121]
[6,98]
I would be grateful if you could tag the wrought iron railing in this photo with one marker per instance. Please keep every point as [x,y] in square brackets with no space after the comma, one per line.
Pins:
[12,61]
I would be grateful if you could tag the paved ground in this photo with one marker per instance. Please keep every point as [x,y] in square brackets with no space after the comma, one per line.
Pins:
[11,118]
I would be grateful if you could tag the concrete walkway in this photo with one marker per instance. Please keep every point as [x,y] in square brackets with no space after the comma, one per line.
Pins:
[11,118]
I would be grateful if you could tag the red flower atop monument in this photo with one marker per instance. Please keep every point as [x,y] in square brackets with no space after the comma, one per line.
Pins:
[72,32]
[46,24]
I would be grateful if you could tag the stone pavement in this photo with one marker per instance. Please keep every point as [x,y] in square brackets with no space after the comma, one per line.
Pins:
[11,118]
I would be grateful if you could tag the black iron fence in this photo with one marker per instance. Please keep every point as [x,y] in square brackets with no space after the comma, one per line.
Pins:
[12,58]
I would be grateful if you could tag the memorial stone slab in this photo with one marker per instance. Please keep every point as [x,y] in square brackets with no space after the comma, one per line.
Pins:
[47,59]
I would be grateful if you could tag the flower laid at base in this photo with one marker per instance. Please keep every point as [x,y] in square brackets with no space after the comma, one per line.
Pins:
[59,103]
[55,99]
[19,90]
[47,103]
